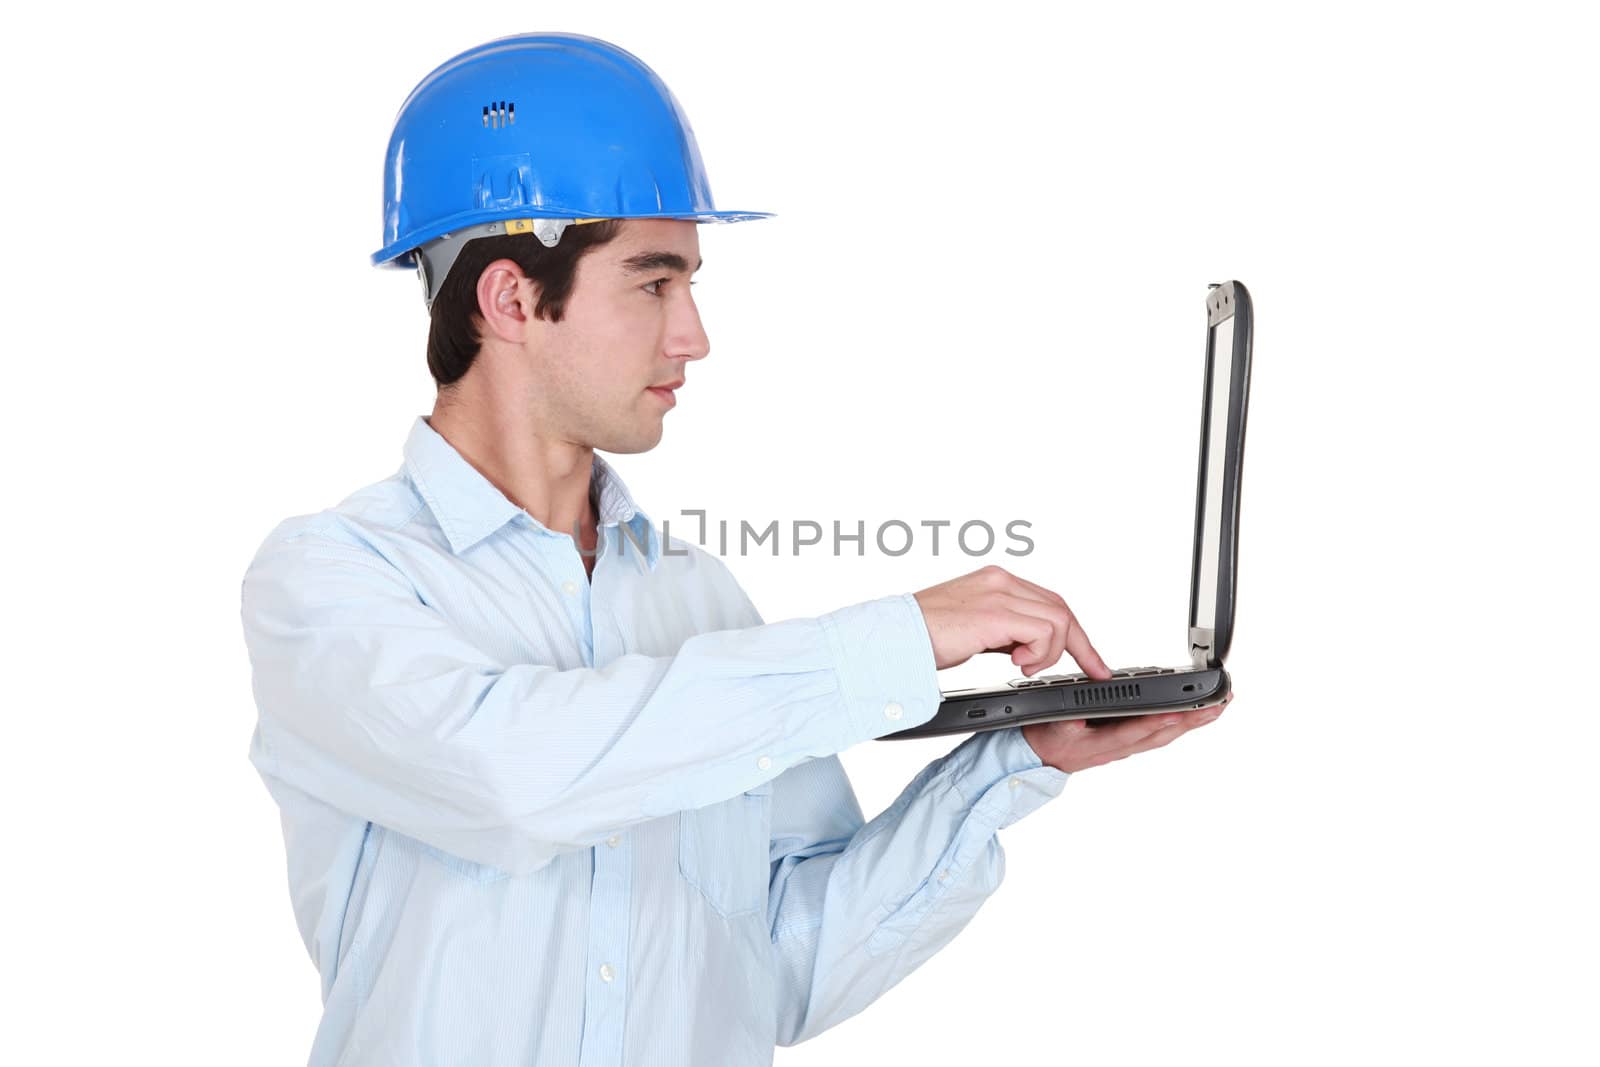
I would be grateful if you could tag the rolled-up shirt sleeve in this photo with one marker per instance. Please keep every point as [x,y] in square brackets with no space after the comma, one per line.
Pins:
[371,701]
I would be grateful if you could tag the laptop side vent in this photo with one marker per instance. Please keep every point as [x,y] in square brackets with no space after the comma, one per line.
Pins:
[1097,695]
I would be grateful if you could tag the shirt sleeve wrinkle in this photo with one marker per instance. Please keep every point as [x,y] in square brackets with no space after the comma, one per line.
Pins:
[850,925]
[373,702]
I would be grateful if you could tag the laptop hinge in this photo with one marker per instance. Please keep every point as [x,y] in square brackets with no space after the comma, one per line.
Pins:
[1201,641]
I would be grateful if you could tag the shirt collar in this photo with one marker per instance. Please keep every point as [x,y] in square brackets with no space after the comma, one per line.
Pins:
[469,508]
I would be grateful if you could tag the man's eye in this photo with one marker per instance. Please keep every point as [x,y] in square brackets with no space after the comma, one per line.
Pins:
[653,287]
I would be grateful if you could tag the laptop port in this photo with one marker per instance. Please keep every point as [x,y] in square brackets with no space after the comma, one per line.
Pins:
[976,713]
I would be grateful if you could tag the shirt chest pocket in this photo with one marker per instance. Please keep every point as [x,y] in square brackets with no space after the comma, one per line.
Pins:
[723,851]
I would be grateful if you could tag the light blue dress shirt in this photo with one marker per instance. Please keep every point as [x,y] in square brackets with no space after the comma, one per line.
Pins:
[534,819]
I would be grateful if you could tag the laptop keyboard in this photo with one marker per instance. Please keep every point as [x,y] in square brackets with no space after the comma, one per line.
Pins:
[1067,679]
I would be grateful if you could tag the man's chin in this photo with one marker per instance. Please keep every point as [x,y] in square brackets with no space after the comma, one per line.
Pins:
[631,444]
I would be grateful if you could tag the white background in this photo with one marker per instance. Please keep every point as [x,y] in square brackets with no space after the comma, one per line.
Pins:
[981,298]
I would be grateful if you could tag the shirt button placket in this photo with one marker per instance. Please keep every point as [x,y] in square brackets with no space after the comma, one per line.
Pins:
[576,593]
[610,895]
[610,892]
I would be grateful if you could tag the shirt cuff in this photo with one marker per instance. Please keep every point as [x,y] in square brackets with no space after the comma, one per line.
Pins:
[884,663]
[1000,774]
[996,778]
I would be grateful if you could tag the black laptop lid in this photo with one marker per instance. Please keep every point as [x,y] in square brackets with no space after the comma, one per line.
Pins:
[1216,519]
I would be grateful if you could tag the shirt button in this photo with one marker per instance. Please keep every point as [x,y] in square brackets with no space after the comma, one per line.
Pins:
[1016,783]
[569,587]
[613,840]
[944,875]
[764,762]
[606,973]
[893,710]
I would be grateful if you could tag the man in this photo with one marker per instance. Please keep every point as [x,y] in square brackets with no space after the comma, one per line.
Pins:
[556,799]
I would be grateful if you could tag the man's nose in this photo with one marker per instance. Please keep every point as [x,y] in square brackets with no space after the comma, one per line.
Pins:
[688,337]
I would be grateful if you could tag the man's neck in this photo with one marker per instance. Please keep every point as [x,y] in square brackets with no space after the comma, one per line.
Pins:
[547,479]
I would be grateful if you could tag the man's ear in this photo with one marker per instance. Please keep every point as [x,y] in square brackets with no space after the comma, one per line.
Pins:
[505,300]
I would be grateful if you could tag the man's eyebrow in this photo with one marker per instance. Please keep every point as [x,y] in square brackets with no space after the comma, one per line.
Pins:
[645,262]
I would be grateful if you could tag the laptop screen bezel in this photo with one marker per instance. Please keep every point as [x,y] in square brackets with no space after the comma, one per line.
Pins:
[1209,638]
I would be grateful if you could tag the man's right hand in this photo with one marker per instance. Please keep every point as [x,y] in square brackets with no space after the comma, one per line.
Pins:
[992,610]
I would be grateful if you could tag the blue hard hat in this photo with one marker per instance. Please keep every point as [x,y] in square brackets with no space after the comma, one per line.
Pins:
[533,133]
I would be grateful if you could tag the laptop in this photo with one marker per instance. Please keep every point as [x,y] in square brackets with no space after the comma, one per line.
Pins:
[1153,690]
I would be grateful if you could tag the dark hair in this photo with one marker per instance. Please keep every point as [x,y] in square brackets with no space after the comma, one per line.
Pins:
[454,337]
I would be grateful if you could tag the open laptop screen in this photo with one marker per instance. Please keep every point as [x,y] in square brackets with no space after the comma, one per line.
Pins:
[1216,497]
[1210,489]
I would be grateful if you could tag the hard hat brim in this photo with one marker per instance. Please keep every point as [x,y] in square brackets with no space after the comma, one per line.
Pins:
[398,255]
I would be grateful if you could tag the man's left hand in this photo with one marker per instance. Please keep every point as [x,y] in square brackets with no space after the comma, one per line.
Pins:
[1073,745]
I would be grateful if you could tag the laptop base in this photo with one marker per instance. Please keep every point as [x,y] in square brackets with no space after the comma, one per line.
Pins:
[1128,693]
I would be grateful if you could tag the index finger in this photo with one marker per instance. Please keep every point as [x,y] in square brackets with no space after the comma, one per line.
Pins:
[1078,646]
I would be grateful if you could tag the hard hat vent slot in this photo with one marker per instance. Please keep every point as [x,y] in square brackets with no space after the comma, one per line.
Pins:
[498,114]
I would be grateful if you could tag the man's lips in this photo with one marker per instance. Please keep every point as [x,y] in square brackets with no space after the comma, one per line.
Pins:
[666,392]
